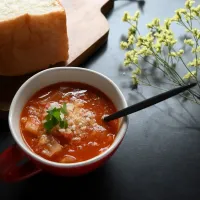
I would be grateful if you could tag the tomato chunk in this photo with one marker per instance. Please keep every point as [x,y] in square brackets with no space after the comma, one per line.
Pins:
[32,125]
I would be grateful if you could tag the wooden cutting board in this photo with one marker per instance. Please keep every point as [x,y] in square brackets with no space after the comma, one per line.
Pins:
[87,30]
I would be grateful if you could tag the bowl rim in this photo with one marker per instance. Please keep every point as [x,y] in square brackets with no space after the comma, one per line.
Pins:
[90,161]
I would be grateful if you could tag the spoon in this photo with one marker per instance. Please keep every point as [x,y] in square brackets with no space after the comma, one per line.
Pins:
[148,102]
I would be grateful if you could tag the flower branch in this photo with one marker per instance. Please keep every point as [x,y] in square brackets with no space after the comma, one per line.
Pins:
[159,46]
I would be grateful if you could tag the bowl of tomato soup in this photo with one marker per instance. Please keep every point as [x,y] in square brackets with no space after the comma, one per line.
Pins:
[56,120]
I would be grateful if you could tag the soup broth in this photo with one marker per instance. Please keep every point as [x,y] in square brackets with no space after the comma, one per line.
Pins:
[63,122]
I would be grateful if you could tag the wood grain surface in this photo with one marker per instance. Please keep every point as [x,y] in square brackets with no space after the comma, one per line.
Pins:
[87,30]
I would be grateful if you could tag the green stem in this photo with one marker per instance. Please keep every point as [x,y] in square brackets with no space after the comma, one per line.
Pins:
[137,27]
[157,58]
[143,74]
[168,68]
[197,20]
[196,43]
[188,68]
[174,83]
[182,23]
[171,69]
[166,64]
[190,20]
[167,76]
[169,50]
[184,64]
[147,84]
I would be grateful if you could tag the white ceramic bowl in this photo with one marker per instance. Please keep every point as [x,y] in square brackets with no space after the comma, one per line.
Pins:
[66,74]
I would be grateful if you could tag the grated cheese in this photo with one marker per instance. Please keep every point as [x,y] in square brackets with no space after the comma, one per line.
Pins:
[73,127]
[79,119]
[44,121]
[70,106]
[62,130]
[93,144]
[87,118]
[76,138]
[68,131]
[54,105]
[83,128]
[62,116]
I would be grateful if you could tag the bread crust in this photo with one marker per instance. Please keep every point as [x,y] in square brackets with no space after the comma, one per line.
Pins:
[29,43]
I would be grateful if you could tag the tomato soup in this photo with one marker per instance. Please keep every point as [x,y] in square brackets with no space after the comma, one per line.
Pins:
[63,122]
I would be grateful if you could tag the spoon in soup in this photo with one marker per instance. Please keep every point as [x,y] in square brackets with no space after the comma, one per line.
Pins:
[148,102]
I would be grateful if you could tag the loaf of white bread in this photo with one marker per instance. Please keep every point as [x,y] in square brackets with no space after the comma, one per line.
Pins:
[33,35]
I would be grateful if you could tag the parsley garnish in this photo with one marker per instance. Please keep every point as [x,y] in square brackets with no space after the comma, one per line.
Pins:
[53,118]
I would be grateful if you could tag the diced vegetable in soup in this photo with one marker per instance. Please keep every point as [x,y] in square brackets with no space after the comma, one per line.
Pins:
[63,122]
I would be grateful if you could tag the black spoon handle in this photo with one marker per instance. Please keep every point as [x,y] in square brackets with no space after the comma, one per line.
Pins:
[148,102]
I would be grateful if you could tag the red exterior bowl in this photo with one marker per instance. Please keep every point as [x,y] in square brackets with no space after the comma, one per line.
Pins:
[35,83]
